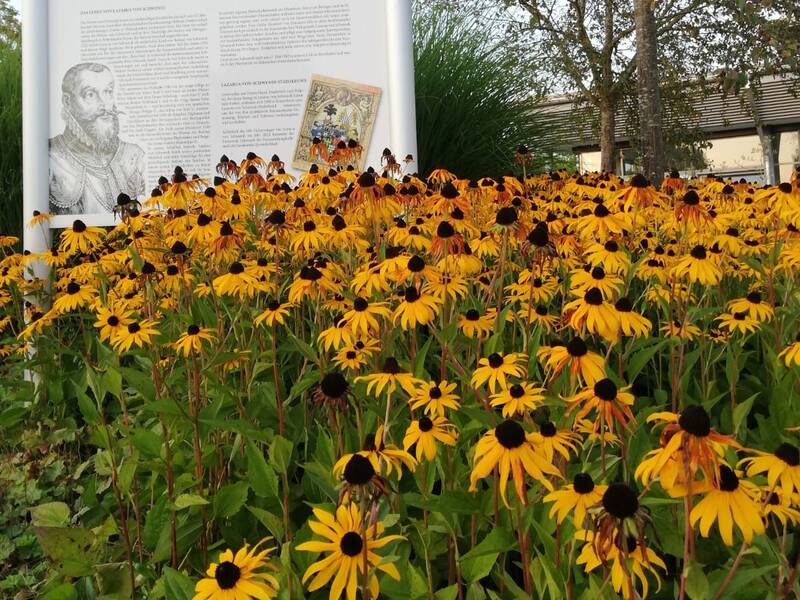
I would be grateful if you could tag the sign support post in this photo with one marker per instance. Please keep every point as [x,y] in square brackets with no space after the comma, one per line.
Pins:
[403,110]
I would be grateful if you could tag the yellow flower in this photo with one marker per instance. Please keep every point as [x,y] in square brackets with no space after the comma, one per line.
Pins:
[275,314]
[363,317]
[348,542]
[513,451]
[236,282]
[416,308]
[732,503]
[518,398]
[110,320]
[425,432]
[493,370]
[75,296]
[389,377]
[80,238]
[575,499]
[192,340]
[434,398]
[137,333]
[239,577]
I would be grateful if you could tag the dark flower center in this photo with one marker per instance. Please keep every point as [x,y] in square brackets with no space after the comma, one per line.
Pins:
[359,470]
[472,315]
[227,574]
[236,268]
[601,211]
[192,330]
[78,226]
[698,252]
[754,297]
[178,248]
[695,420]
[366,180]
[113,320]
[598,273]
[148,268]
[583,483]
[577,347]
[425,424]
[541,310]
[611,246]
[203,219]
[510,434]
[277,217]
[411,294]
[134,328]
[390,366]
[605,389]
[639,181]
[593,297]
[620,501]
[495,360]
[310,274]
[788,454]
[548,429]
[445,230]
[623,305]
[334,385]
[506,216]
[73,288]
[449,191]
[539,237]
[786,188]
[338,223]
[740,316]
[309,226]
[351,544]
[728,481]
[435,392]
[516,391]
[360,304]
[691,198]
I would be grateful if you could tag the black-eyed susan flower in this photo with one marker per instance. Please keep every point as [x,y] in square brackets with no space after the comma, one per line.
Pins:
[435,399]
[243,576]
[336,336]
[582,362]
[698,267]
[753,304]
[612,405]
[639,560]
[550,441]
[732,501]
[416,308]
[424,432]
[494,369]
[191,341]
[388,378]
[593,314]
[512,450]
[236,282]
[631,323]
[363,317]
[80,238]
[575,499]
[137,333]
[782,468]
[110,319]
[687,442]
[473,324]
[73,297]
[791,354]
[349,543]
[518,398]
[738,322]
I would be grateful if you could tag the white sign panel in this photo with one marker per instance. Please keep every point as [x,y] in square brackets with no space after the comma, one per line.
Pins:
[134,88]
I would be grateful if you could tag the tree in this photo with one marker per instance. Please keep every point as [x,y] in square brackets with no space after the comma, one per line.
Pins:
[10,28]
[649,92]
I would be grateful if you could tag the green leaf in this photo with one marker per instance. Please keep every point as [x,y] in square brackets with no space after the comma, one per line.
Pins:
[302,346]
[147,442]
[639,360]
[87,407]
[155,522]
[262,478]
[696,582]
[72,550]
[65,591]
[448,593]
[230,499]
[177,586]
[273,523]
[187,500]
[51,514]
[478,562]
[741,411]
[280,454]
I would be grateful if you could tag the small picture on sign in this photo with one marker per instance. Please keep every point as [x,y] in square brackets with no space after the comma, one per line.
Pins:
[90,165]
[335,111]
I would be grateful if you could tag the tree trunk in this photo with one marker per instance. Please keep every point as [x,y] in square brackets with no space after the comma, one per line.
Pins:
[608,155]
[650,124]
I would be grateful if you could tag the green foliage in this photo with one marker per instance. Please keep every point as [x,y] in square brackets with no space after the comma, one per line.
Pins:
[11,134]
[476,96]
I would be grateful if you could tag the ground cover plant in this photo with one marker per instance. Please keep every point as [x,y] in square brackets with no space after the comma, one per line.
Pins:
[352,384]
